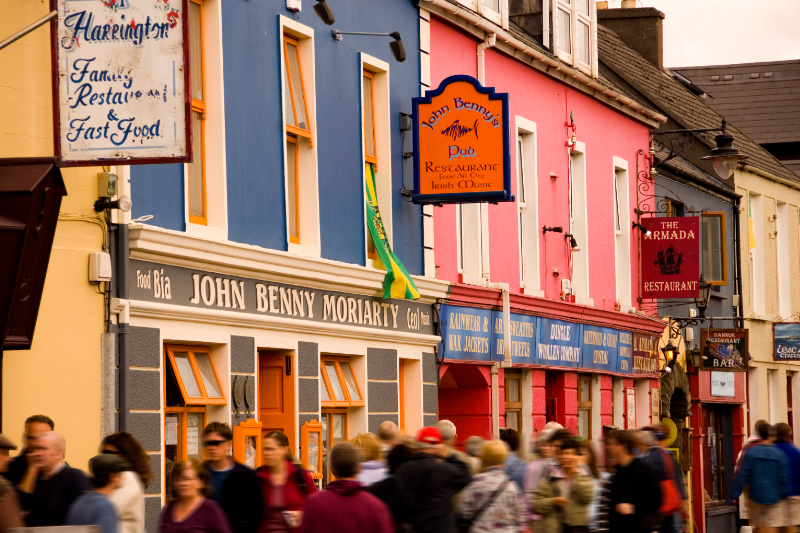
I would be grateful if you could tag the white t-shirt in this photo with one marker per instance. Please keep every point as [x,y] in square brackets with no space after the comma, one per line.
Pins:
[129,501]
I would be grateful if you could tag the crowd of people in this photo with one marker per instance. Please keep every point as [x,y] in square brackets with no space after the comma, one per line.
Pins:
[385,482]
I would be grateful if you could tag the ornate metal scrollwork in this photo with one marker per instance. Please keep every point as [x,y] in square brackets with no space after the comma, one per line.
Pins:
[646,184]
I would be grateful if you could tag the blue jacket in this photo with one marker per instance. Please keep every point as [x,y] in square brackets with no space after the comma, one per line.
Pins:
[765,471]
[515,468]
[793,456]
[93,509]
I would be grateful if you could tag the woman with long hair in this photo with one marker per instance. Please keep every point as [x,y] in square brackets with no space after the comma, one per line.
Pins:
[589,456]
[286,486]
[192,511]
[129,498]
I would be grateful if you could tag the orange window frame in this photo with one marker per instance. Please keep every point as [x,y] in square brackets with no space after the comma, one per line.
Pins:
[170,350]
[368,158]
[199,106]
[348,401]
[328,415]
[401,371]
[724,246]
[513,408]
[296,178]
[290,41]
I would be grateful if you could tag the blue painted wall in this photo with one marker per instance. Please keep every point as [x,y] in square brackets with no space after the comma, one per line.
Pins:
[254,132]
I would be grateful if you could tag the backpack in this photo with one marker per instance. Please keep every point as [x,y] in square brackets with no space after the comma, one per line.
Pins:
[671,501]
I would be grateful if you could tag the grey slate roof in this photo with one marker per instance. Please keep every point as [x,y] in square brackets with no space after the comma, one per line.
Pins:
[762,99]
[676,101]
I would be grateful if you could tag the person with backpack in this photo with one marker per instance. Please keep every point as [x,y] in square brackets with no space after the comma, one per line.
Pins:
[634,494]
[565,493]
[285,485]
[492,501]
[667,473]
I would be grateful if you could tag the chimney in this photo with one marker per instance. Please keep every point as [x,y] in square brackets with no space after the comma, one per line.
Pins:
[640,28]
[529,15]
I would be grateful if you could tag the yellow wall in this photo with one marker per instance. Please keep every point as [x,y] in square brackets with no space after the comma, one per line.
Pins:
[60,375]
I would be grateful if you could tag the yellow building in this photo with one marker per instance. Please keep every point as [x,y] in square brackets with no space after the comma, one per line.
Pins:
[61,375]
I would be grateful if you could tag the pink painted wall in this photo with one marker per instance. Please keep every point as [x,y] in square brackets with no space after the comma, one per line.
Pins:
[547,102]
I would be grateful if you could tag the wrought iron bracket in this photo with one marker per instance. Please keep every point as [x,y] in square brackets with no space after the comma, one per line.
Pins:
[676,142]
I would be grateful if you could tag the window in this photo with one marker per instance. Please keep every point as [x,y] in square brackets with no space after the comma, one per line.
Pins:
[196,169]
[784,261]
[673,208]
[194,373]
[513,406]
[622,233]
[527,203]
[756,223]
[340,387]
[401,374]
[334,430]
[714,248]
[472,263]
[370,151]
[575,33]
[578,224]
[585,406]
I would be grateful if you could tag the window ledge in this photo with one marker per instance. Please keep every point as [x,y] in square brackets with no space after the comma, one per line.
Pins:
[532,292]
[582,300]
[756,316]
[627,308]
[305,251]
[206,231]
[469,279]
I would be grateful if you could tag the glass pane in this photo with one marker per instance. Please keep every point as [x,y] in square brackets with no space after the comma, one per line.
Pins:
[712,248]
[583,423]
[616,203]
[187,376]
[564,31]
[313,452]
[323,390]
[297,86]
[195,50]
[351,382]
[494,5]
[333,377]
[339,428]
[512,420]
[291,184]
[194,426]
[521,244]
[173,432]
[583,42]
[288,110]
[207,373]
[513,391]
[583,7]
[196,207]
[326,445]
[369,119]
[520,172]
[586,384]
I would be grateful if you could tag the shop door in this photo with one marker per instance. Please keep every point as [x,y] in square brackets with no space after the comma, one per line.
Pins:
[718,479]
[276,409]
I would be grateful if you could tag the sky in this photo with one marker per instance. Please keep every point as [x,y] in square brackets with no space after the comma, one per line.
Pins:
[721,32]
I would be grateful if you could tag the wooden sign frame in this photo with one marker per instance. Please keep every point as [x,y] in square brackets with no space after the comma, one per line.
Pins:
[311,436]
[248,433]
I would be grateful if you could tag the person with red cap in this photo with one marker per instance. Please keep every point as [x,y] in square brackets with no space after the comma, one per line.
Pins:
[428,483]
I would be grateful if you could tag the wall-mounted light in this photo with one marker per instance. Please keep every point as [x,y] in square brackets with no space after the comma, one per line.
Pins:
[573,244]
[324,12]
[123,203]
[556,229]
[635,225]
[398,50]
[670,356]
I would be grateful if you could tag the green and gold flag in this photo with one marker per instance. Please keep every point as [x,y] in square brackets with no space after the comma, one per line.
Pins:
[397,283]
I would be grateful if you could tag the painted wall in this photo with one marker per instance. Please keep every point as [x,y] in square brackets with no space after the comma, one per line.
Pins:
[605,132]
[254,140]
[60,375]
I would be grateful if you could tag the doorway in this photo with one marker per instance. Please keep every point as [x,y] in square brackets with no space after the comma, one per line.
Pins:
[276,409]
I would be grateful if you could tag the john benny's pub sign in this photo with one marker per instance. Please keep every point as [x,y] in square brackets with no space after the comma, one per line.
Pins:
[154,282]
[471,334]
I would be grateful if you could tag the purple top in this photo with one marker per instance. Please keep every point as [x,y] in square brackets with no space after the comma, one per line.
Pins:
[207,518]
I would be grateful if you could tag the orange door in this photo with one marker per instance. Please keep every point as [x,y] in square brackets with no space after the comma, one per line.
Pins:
[276,395]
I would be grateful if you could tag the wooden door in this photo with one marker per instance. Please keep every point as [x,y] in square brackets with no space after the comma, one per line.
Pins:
[276,409]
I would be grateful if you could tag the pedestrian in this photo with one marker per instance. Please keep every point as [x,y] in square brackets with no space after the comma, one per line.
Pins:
[56,485]
[235,487]
[345,506]
[588,453]
[492,501]
[129,497]
[473,447]
[387,435]
[565,493]
[388,490]
[752,440]
[515,466]
[673,493]
[428,483]
[10,516]
[20,471]
[635,496]
[790,512]
[95,508]
[373,468]
[449,435]
[285,486]
[192,510]
[764,476]
[548,442]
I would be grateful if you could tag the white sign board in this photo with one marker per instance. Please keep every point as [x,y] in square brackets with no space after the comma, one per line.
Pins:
[631,408]
[723,384]
[121,82]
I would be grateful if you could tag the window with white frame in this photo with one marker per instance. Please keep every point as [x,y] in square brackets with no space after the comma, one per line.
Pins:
[622,231]
[784,263]
[578,224]
[757,244]
[471,237]
[493,10]
[299,112]
[527,202]
[575,33]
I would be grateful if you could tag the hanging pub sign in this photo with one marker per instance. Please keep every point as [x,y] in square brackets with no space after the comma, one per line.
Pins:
[670,257]
[725,349]
[121,82]
[787,341]
[461,144]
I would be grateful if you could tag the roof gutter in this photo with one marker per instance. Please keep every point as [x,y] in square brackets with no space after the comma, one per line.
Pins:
[770,176]
[504,36]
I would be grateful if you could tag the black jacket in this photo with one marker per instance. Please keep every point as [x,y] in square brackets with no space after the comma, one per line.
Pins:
[427,487]
[638,485]
[17,468]
[242,499]
[51,498]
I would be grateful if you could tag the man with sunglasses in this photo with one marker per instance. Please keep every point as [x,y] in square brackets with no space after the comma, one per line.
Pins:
[236,486]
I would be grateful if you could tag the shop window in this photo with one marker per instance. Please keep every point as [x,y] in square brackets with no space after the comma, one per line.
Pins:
[334,430]
[196,169]
[585,406]
[622,232]
[527,203]
[575,33]
[513,391]
[714,248]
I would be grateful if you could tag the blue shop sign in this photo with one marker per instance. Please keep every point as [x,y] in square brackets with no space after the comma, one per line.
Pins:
[466,333]
[600,348]
[559,343]
[523,338]
[625,356]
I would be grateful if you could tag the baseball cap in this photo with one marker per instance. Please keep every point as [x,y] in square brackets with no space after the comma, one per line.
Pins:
[430,435]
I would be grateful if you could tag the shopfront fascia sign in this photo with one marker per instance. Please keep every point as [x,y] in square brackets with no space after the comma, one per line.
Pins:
[153,282]
[786,341]
[461,144]
[121,82]
[725,350]
[645,354]
[670,257]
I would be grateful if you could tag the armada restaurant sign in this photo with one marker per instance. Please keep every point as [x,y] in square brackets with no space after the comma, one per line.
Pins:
[725,349]
[787,341]
[154,282]
[670,257]
[461,144]
[121,82]
[471,334]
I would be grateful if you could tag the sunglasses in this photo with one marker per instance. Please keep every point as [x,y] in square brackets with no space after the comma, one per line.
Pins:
[110,452]
[210,443]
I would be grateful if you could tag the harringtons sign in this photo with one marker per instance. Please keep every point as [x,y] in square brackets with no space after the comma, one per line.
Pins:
[121,81]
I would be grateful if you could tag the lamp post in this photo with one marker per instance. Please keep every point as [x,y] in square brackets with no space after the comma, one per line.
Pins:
[670,356]
[724,157]
[703,295]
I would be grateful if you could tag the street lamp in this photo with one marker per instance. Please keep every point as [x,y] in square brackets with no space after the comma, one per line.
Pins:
[703,295]
[670,356]
[725,157]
